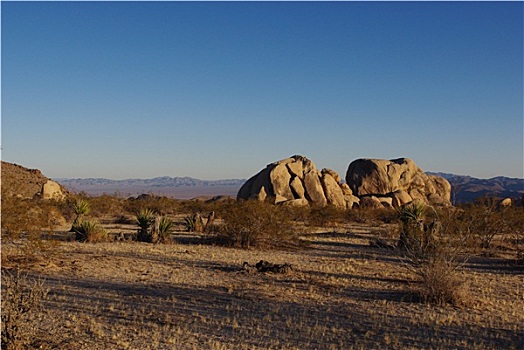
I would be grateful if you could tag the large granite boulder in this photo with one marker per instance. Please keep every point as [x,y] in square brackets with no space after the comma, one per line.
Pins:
[399,179]
[52,190]
[296,181]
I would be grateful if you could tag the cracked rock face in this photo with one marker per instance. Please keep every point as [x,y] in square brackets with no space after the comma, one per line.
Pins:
[297,181]
[399,179]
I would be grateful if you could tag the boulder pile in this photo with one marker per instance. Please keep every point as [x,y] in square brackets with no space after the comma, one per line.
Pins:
[395,182]
[369,183]
[296,181]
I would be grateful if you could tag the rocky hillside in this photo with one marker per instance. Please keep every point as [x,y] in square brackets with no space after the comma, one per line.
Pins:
[18,181]
[466,189]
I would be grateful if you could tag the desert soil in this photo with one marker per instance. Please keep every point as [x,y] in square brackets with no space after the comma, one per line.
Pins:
[341,294]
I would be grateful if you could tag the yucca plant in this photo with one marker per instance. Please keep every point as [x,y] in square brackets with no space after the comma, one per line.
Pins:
[194,223]
[145,219]
[412,217]
[81,208]
[89,231]
[165,226]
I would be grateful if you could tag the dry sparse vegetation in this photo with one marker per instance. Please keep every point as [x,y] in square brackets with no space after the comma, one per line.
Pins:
[341,292]
[21,303]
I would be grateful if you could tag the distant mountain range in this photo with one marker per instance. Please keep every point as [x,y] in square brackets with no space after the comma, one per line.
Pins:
[178,187]
[465,188]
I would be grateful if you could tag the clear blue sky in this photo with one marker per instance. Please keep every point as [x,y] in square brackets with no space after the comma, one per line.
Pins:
[219,90]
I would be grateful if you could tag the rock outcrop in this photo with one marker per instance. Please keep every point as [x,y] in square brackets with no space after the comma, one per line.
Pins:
[296,181]
[52,190]
[399,180]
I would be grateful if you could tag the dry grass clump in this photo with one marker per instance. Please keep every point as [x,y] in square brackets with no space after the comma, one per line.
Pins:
[21,302]
[441,283]
[251,223]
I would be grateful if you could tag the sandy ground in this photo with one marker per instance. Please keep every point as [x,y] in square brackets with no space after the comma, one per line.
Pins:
[341,294]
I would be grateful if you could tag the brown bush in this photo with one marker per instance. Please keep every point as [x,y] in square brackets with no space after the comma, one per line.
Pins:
[326,216]
[24,222]
[160,205]
[256,224]
[483,221]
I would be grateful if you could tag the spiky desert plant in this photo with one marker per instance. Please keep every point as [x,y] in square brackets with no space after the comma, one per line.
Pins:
[89,231]
[194,223]
[165,226]
[412,217]
[81,208]
[145,219]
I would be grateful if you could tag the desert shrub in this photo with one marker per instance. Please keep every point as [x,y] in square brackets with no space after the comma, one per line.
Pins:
[23,216]
[516,230]
[256,224]
[484,220]
[158,204]
[21,301]
[106,205]
[441,282]
[432,244]
[367,215]
[325,216]
[23,223]
[89,231]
